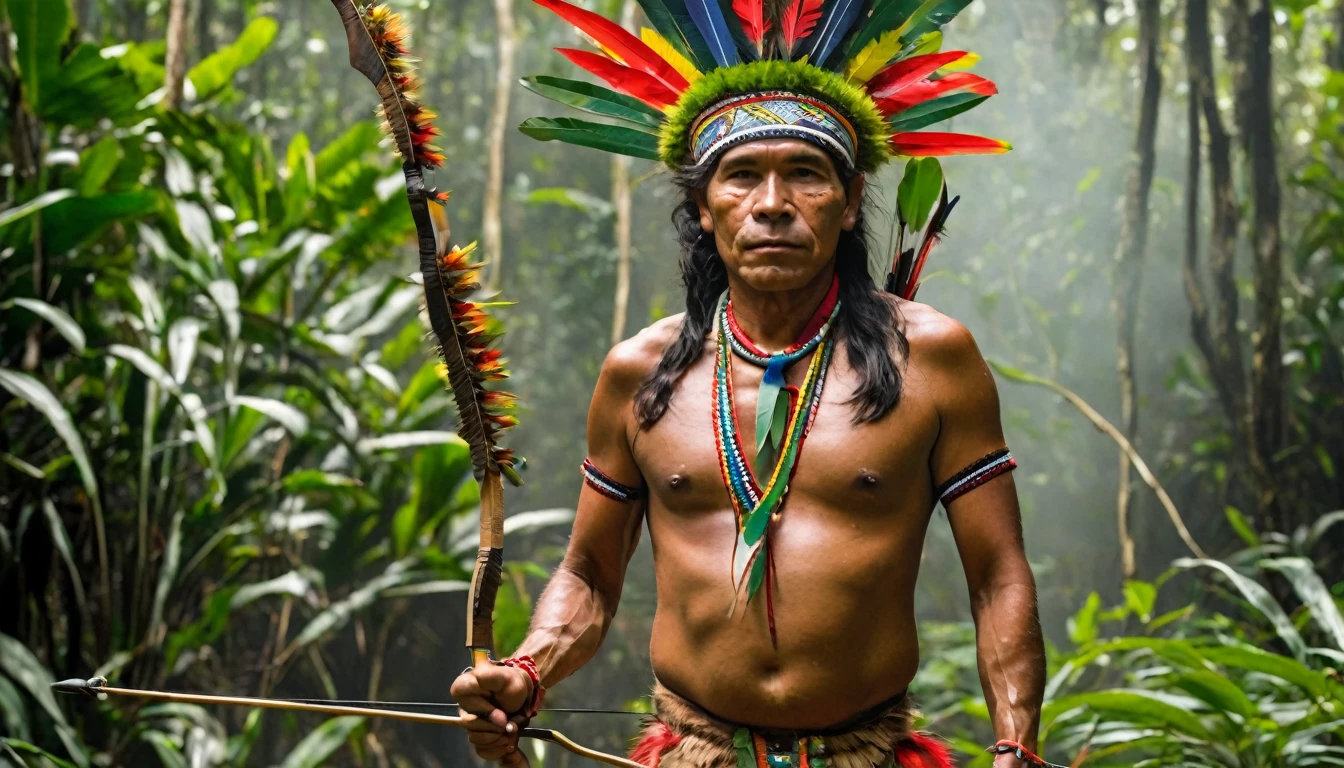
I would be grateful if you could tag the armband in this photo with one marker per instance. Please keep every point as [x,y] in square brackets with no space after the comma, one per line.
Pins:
[529,667]
[1020,752]
[608,487]
[976,475]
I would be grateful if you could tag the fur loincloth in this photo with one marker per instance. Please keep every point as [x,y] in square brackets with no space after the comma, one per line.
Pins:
[681,735]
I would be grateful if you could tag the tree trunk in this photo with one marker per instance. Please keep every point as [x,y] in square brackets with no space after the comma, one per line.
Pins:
[1129,254]
[1335,57]
[1215,333]
[620,198]
[205,16]
[492,230]
[175,61]
[1267,275]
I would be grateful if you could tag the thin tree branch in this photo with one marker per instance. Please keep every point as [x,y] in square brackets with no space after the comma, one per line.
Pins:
[1116,435]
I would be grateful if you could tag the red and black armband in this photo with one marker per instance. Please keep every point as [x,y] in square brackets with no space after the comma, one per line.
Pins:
[1005,746]
[533,704]
[609,487]
[976,475]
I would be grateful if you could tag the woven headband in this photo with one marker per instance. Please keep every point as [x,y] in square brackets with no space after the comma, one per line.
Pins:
[771,115]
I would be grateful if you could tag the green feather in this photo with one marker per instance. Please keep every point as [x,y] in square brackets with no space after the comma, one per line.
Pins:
[609,138]
[935,111]
[595,99]
[757,574]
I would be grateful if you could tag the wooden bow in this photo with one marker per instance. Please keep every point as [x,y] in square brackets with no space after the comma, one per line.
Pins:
[97,687]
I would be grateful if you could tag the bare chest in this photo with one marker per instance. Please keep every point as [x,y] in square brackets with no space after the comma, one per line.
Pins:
[843,464]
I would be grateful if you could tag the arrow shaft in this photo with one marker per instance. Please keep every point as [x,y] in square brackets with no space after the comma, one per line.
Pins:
[541,734]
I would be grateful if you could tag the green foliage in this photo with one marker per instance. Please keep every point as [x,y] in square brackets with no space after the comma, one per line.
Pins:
[215,411]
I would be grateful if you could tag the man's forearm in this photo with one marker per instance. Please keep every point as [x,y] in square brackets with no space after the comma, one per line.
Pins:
[1011,659]
[570,620]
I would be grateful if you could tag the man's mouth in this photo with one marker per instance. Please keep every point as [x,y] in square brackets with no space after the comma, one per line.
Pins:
[773,245]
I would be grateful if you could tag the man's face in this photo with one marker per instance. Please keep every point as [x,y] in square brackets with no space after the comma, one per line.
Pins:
[777,208]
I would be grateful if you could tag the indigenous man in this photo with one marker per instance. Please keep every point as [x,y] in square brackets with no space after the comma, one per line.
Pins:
[785,439]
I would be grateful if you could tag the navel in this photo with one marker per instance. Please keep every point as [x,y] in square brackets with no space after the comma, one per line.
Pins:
[867,480]
[678,482]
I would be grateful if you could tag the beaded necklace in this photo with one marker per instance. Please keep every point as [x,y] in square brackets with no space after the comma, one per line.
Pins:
[789,420]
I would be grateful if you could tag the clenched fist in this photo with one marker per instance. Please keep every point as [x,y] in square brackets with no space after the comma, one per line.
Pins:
[486,694]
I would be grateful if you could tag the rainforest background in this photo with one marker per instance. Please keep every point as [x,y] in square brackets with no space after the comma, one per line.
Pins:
[227,465]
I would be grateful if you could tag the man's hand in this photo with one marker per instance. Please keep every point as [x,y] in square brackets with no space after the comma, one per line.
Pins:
[487,694]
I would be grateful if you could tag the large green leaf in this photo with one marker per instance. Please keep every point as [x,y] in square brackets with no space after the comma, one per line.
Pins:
[321,743]
[11,215]
[583,133]
[289,417]
[1246,658]
[595,99]
[1314,593]
[90,88]
[21,666]
[32,391]
[217,70]
[1257,596]
[97,164]
[61,539]
[69,221]
[62,322]
[1220,693]
[919,191]
[1135,707]
[40,26]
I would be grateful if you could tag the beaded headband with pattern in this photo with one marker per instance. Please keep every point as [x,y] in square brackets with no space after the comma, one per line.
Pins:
[859,78]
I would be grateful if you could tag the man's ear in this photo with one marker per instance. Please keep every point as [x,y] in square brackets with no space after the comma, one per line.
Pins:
[853,202]
[702,202]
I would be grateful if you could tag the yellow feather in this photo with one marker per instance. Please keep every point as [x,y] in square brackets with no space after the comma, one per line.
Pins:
[671,55]
[875,55]
[930,43]
[965,62]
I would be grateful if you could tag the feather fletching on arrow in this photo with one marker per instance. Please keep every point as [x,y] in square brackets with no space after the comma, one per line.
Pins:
[465,333]
[377,41]
[709,19]
[623,79]
[630,49]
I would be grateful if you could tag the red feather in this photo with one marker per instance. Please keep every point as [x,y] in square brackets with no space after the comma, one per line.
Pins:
[657,739]
[754,23]
[916,144]
[612,35]
[906,72]
[629,81]
[799,19]
[920,751]
[927,90]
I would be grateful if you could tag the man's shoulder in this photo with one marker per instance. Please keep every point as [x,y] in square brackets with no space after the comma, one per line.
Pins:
[631,361]
[935,338]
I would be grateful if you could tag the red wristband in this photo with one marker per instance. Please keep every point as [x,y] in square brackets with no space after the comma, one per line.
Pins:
[1020,752]
[527,665]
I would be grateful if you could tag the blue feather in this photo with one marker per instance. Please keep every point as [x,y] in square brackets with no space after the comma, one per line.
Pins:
[708,18]
[838,22]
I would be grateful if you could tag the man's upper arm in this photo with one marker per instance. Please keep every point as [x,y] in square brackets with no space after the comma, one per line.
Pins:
[969,465]
[606,530]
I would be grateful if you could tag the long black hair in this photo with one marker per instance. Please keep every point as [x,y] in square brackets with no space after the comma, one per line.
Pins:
[867,322]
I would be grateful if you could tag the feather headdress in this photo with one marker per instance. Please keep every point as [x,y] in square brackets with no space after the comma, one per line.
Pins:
[876,62]
[861,78]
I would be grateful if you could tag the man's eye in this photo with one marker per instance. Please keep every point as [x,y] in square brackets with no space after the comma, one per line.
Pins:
[803,173]
[742,174]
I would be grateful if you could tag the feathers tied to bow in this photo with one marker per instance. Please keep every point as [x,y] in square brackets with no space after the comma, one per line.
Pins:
[464,331]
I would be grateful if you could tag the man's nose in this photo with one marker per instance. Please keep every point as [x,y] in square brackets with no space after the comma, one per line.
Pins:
[772,199]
